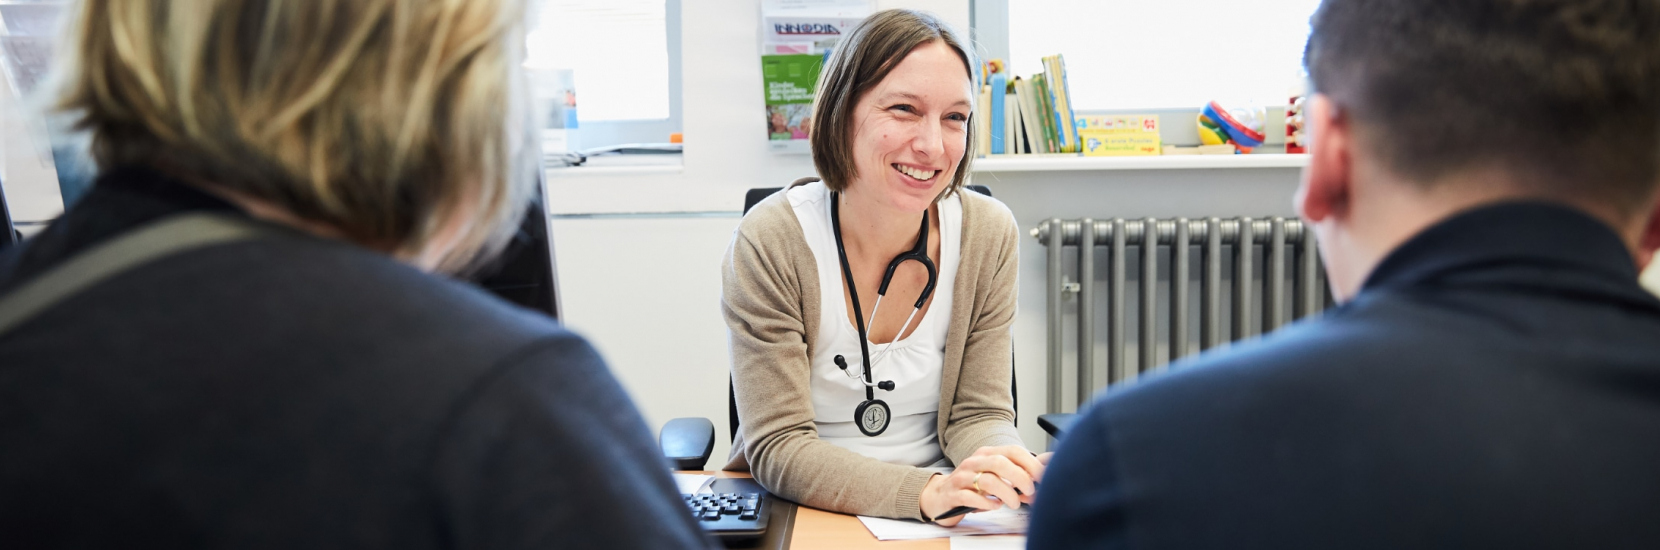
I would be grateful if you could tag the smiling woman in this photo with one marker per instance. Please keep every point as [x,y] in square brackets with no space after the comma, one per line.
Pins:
[806,277]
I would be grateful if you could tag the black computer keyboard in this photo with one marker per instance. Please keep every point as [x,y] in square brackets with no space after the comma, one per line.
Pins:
[737,509]
[711,507]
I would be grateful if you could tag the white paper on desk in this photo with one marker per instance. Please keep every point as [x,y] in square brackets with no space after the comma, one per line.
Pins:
[691,484]
[1002,521]
[989,542]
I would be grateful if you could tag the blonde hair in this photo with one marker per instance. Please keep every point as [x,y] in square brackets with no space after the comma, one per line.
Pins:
[392,121]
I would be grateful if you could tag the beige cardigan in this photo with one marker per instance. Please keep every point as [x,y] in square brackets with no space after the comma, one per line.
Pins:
[770,298]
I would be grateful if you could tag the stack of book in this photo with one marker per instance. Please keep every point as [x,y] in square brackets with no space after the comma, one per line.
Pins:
[1022,116]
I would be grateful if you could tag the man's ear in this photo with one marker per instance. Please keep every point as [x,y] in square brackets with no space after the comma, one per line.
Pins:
[1326,186]
[1649,241]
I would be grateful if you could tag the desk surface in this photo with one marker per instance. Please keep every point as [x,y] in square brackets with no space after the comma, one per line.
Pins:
[820,530]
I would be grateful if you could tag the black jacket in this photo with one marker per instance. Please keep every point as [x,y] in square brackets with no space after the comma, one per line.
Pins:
[1496,384]
[304,393]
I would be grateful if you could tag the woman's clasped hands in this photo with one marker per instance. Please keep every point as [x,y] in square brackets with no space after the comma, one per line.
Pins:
[990,478]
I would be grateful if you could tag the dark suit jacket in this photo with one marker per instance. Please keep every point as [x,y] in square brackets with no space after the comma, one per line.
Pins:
[306,393]
[1496,384]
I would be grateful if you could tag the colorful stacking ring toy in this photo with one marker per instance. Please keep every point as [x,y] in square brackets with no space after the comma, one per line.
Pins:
[1211,133]
[1241,135]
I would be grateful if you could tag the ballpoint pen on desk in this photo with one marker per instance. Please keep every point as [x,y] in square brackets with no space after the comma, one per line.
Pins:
[954,512]
[960,510]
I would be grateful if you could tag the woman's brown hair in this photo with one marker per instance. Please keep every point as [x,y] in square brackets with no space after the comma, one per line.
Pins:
[865,56]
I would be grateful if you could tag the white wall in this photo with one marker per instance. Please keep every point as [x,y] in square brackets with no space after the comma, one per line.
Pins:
[646,292]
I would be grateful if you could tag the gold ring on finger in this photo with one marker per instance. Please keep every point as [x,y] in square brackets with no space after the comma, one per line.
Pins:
[977,483]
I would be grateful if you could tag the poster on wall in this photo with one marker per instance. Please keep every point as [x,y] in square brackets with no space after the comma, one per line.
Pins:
[555,95]
[790,80]
[796,38]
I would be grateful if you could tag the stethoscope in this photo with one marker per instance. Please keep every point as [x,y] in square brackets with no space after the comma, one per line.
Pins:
[872,414]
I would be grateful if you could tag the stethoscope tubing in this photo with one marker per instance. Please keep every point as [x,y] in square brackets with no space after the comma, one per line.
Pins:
[918,253]
[902,328]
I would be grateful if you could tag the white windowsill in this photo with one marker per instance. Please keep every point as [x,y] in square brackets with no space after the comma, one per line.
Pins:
[1055,163]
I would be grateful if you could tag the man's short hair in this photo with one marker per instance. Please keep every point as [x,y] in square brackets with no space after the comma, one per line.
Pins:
[1564,95]
[865,56]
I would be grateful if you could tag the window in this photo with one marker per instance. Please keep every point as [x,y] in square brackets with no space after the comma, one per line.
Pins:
[617,49]
[1147,54]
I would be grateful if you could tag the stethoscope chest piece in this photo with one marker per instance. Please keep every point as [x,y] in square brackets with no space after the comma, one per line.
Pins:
[872,416]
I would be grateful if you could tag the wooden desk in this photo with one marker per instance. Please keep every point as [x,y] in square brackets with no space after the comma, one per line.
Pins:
[816,529]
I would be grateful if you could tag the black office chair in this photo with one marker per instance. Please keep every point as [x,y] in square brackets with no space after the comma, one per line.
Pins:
[524,272]
[687,442]
[8,234]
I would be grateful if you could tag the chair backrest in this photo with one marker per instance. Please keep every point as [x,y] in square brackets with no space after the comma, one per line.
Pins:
[8,234]
[758,194]
[755,196]
[523,273]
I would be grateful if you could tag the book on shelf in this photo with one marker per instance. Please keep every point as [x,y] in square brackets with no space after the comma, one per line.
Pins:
[1022,139]
[1025,140]
[1060,96]
[981,120]
[1035,114]
[1031,119]
[1011,119]
[1119,135]
[1018,132]
[1030,115]
[1016,138]
[1046,111]
[998,84]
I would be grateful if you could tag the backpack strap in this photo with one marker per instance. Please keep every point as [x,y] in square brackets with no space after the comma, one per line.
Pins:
[148,243]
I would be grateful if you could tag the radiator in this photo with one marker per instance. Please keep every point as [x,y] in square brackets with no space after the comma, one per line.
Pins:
[1289,265]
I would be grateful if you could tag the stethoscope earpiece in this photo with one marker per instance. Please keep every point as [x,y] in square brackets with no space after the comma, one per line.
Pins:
[841,362]
[872,415]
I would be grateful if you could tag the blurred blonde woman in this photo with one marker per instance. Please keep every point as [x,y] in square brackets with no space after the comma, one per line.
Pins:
[299,377]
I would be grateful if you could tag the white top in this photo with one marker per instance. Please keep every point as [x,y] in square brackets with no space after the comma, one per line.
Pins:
[913,364]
